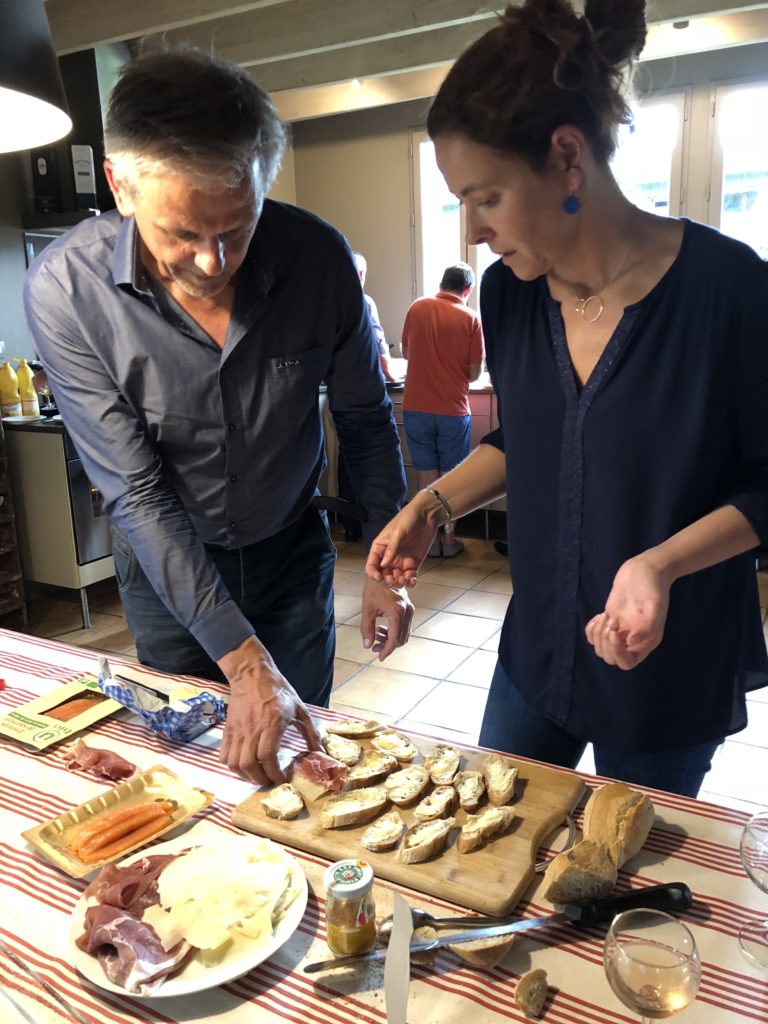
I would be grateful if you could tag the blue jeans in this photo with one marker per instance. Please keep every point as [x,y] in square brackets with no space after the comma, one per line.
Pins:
[283,586]
[511,725]
[436,441]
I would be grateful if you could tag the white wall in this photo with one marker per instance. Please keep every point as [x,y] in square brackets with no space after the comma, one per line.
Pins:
[354,170]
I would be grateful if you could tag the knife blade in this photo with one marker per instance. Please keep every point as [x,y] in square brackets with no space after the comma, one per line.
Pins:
[671,896]
[397,963]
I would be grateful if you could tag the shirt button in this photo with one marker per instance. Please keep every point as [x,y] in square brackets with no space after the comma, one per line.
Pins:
[233,526]
[232,478]
[231,427]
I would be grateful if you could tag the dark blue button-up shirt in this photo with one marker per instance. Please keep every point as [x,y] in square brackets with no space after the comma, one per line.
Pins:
[671,424]
[191,444]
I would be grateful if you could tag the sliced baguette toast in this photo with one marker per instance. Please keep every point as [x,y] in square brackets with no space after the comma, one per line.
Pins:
[443,764]
[354,808]
[345,750]
[436,804]
[407,785]
[384,833]
[484,825]
[500,776]
[470,786]
[396,743]
[374,767]
[425,840]
[283,802]
[354,727]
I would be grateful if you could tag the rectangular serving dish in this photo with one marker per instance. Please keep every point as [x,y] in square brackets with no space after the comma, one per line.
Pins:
[31,725]
[52,838]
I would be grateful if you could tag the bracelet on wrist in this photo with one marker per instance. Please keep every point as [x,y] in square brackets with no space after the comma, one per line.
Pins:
[442,501]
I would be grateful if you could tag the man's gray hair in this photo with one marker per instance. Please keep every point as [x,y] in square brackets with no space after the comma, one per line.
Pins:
[193,114]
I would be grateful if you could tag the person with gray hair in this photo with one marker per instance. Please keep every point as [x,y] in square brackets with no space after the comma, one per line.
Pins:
[186,335]
[378,331]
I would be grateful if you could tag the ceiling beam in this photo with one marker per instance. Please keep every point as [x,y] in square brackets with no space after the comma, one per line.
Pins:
[310,26]
[81,24]
[369,59]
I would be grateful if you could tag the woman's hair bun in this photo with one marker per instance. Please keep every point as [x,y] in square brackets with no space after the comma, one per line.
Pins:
[542,66]
[619,28]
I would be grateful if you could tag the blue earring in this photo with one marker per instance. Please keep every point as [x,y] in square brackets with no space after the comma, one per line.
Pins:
[572,204]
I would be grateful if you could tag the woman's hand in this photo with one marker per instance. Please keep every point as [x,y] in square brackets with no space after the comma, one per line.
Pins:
[632,624]
[402,546]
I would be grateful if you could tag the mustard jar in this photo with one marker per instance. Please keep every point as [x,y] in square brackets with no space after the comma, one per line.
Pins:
[350,912]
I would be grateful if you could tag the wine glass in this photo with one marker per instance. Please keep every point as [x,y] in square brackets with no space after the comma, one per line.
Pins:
[652,963]
[753,937]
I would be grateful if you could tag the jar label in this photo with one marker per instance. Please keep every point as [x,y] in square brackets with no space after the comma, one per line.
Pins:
[347,874]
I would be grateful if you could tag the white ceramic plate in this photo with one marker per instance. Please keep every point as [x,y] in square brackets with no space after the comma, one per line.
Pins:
[22,419]
[244,955]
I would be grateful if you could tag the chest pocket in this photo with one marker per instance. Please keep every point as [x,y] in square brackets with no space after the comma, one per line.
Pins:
[293,383]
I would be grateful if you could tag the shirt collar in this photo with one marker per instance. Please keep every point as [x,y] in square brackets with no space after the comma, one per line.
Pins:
[127,268]
[451,297]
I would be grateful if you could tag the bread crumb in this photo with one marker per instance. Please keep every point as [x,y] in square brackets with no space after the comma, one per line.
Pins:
[531,992]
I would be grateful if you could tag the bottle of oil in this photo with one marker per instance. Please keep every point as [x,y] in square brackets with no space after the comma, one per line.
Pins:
[10,401]
[30,404]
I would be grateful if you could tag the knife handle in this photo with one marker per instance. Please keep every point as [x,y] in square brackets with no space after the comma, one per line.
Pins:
[672,896]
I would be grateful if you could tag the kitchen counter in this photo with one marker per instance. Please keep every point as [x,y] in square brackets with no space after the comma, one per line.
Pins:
[43,425]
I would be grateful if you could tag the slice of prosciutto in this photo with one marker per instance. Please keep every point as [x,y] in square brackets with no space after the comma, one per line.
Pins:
[104,763]
[132,888]
[315,774]
[128,950]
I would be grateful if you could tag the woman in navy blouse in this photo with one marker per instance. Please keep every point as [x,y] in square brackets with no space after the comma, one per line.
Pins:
[628,353]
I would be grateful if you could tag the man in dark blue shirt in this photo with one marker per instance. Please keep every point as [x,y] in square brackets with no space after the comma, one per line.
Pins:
[186,336]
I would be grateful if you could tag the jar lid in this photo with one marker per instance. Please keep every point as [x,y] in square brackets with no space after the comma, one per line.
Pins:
[347,878]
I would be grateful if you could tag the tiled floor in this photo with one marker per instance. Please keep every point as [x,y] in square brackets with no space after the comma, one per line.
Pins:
[437,682]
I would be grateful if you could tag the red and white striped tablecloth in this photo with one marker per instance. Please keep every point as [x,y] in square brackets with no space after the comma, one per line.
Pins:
[692,841]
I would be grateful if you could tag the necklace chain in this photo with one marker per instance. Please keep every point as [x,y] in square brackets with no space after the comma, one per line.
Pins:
[590,308]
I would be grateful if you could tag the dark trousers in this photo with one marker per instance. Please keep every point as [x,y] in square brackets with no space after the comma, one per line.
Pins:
[511,725]
[284,587]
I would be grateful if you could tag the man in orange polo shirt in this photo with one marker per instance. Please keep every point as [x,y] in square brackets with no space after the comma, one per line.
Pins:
[443,343]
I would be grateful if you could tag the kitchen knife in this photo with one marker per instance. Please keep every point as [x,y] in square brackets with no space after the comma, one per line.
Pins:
[397,964]
[672,896]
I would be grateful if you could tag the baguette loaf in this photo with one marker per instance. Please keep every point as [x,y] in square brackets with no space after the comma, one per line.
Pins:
[531,992]
[619,818]
[581,873]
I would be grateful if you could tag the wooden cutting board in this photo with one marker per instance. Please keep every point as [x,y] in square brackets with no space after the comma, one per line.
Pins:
[491,879]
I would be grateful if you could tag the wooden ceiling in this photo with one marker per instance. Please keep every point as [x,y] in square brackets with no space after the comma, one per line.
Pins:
[300,44]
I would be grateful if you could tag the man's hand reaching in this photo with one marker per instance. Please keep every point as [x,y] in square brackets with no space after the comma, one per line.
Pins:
[262,705]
